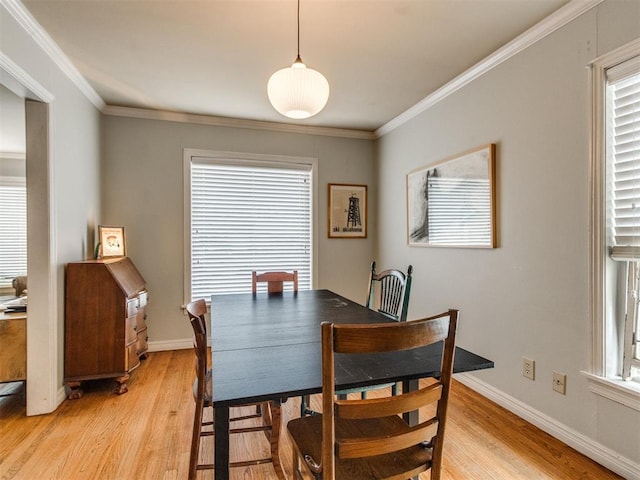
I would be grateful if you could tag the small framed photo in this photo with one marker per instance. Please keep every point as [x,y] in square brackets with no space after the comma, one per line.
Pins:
[112,241]
[347,216]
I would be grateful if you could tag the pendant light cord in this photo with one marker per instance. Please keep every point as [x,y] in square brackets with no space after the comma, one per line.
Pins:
[298,59]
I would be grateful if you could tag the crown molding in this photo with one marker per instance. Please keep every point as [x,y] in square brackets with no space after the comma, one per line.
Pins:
[180,117]
[553,22]
[44,41]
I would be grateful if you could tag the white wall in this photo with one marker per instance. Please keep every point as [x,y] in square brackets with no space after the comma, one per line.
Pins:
[530,296]
[66,196]
[142,189]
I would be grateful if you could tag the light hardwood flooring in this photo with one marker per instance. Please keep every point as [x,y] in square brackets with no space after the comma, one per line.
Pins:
[145,434]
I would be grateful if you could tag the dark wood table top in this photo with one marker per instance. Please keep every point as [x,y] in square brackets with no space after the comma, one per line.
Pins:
[267,347]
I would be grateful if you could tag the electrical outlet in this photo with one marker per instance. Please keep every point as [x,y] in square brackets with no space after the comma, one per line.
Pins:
[560,383]
[528,368]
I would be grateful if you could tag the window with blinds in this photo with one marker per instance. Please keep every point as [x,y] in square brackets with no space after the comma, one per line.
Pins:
[623,135]
[248,216]
[623,158]
[13,229]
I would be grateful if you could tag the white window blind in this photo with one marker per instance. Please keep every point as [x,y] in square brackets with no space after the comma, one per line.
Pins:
[13,229]
[623,154]
[623,140]
[245,218]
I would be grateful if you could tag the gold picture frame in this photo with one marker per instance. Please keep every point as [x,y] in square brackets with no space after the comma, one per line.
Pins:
[347,215]
[452,203]
[112,241]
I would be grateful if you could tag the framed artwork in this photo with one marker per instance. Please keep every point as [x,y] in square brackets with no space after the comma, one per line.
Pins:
[112,241]
[451,203]
[347,216]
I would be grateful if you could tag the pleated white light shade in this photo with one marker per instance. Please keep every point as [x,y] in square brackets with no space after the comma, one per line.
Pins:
[297,91]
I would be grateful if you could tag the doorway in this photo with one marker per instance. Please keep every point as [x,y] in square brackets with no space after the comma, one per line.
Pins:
[44,388]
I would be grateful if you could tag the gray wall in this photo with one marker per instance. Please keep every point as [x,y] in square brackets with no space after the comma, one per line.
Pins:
[530,296]
[142,189]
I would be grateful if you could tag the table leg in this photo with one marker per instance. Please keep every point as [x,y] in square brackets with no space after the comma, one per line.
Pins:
[410,417]
[221,441]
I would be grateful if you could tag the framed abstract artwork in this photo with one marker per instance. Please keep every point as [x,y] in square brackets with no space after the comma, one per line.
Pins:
[451,203]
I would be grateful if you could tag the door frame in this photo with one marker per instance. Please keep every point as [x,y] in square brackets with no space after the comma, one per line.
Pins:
[44,391]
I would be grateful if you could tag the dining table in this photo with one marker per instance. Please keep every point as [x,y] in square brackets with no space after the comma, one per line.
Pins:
[267,347]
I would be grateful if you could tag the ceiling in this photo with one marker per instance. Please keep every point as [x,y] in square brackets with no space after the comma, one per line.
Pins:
[215,57]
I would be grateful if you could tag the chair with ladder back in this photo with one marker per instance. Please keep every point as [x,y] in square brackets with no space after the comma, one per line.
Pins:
[388,293]
[361,439]
[268,412]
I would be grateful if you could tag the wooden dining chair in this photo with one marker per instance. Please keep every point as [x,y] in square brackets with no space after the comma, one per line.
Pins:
[274,280]
[388,293]
[268,412]
[366,438]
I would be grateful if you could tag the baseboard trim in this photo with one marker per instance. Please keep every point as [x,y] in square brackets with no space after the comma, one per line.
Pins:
[170,345]
[594,450]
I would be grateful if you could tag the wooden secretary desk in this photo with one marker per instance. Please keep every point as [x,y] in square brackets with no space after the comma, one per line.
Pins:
[105,322]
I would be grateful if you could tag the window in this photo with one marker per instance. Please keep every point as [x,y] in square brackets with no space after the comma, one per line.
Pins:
[248,213]
[622,140]
[13,229]
[615,263]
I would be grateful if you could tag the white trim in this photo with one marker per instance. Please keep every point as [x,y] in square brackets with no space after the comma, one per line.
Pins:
[553,22]
[42,334]
[625,393]
[615,462]
[17,77]
[169,345]
[619,55]
[13,155]
[181,117]
[24,18]
[597,241]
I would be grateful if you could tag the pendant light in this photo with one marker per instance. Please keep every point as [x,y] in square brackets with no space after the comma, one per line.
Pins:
[298,91]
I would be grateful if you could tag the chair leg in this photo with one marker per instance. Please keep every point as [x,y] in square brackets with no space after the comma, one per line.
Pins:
[266,413]
[394,389]
[276,423]
[195,439]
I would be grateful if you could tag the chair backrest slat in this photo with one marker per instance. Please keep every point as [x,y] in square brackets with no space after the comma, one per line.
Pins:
[358,448]
[274,280]
[384,407]
[387,337]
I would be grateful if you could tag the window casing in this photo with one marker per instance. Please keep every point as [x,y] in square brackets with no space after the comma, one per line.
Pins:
[246,212]
[615,246]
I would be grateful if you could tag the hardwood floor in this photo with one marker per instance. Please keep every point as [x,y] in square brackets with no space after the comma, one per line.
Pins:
[145,434]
